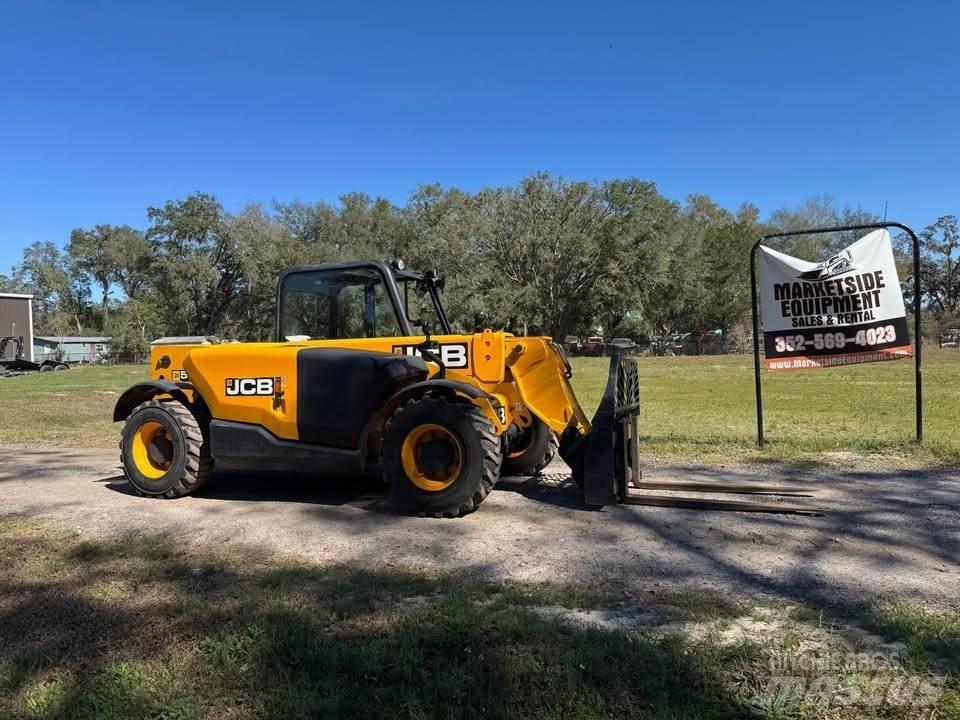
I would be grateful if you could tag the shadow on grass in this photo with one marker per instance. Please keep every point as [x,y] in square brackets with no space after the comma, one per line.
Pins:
[931,635]
[144,626]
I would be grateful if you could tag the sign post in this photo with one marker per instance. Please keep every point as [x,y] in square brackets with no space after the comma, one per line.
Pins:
[809,308]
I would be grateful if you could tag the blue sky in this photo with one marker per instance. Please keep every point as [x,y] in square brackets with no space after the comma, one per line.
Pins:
[108,107]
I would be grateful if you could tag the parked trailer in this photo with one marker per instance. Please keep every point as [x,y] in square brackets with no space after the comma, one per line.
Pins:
[19,365]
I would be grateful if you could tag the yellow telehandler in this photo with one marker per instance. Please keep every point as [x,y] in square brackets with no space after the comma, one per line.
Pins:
[349,386]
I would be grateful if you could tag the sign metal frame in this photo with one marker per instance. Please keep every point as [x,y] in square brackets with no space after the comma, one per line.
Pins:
[917,371]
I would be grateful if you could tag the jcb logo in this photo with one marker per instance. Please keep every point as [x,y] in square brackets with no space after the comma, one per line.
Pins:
[453,355]
[253,386]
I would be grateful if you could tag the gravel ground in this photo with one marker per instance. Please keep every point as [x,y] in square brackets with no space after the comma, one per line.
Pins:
[883,534]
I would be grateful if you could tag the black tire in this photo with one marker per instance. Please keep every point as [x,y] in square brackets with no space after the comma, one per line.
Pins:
[533,449]
[61,366]
[46,368]
[480,456]
[186,445]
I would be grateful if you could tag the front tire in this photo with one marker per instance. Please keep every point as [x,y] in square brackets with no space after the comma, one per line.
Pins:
[164,451]
[441,457]
[532,450]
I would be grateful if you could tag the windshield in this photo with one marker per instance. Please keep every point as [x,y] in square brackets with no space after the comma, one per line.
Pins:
[336,304]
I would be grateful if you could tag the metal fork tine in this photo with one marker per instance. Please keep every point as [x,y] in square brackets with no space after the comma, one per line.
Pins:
[704,504]
[744,489]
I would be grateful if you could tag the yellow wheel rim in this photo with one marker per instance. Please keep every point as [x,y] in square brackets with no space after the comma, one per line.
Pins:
[432,457]
[152,450]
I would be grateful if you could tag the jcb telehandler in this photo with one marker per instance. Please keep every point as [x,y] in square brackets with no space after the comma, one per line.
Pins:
[350,387]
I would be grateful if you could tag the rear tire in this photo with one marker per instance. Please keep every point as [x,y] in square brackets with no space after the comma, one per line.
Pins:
[532,451]
[163,450]
[61,366]
[441,457]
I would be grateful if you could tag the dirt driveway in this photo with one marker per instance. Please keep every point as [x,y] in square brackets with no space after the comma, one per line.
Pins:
[884,534]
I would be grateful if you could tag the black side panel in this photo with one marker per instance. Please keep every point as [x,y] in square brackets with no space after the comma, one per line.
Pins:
[242,446]
[338,391]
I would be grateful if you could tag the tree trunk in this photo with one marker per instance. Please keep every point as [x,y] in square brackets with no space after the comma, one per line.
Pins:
[105,304]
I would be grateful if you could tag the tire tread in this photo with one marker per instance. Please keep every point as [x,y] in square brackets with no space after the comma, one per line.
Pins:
[492,453]
[534,465]
[198,465]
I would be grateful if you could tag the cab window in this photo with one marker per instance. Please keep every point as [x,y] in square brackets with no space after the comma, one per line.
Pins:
[336,304]
[419,307]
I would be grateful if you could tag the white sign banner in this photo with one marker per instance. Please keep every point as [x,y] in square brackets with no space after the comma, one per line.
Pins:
[845,310]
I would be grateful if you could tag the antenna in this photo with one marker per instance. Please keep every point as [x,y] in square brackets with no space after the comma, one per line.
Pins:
[884,210]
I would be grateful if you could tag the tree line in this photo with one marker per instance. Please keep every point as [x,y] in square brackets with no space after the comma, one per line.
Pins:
[547,255]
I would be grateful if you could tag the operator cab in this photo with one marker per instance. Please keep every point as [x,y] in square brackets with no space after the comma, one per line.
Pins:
[357,300]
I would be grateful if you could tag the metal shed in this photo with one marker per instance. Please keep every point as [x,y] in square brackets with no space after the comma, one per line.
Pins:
[16,321]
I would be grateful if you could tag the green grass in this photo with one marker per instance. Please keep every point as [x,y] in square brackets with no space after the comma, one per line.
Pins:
[925,631]
[138,627]
[151,626]
[67,409]
[702,409]
[693,409]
